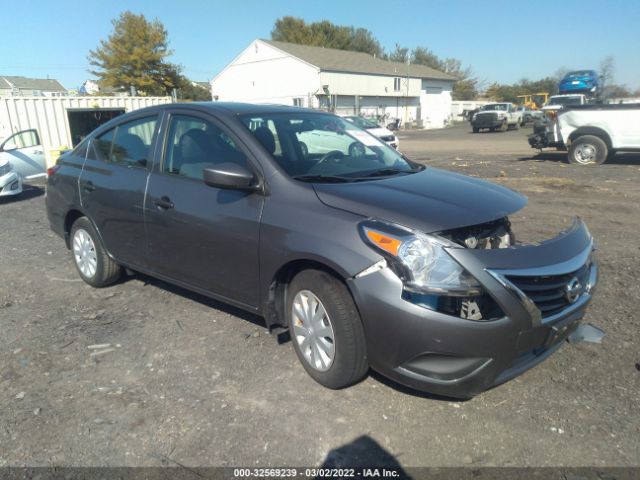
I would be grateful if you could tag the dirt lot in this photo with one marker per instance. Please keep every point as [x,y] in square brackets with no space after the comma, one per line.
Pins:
[187,380]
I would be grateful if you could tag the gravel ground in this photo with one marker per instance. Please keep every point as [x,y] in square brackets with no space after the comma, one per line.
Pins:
[180,379]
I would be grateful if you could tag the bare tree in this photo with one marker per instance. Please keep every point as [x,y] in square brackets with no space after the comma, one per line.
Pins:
[607,67]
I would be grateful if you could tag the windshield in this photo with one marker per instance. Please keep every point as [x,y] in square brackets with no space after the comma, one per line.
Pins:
[582,73]
[362,122]
[494,106]
[573,100]
[321,147]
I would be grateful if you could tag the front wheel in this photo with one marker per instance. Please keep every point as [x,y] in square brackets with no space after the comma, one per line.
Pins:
[92,262]
[504,126]
[588,150]
[326,330]
[476,129]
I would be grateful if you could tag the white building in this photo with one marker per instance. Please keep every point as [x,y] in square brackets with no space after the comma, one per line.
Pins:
[337,80]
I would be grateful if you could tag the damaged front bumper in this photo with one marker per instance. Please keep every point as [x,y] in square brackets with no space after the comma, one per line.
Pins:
[542,291]
[10,184]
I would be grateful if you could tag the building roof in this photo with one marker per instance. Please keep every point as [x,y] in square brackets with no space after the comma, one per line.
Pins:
[332,59]
[45,84]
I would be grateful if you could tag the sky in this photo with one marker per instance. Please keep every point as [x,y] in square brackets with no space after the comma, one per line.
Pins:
[502,40]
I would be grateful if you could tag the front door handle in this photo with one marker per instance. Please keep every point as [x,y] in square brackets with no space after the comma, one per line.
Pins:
[89,187]
[163,203]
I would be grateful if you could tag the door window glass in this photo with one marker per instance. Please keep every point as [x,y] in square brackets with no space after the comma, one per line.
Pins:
[127,144]
[195,144]
[25,139]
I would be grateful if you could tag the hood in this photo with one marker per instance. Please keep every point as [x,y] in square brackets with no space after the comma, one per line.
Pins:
[429,201]
[381,132]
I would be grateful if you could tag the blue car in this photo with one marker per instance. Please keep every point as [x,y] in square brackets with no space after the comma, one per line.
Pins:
[580,81]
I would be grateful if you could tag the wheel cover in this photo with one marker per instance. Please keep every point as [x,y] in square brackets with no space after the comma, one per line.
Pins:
[312,330]
[84,253]
[585,153]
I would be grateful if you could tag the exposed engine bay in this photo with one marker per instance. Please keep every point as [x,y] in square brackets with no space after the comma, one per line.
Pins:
[490,235]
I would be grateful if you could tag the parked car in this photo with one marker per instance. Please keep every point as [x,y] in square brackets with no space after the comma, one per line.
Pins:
[580,81]
[496,116]
[373,128]
[366,258]
[529,115]
[590,133]
[24,151]
[10,181]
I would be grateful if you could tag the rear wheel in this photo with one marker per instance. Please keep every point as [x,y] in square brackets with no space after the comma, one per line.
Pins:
[588,150]
[90,258]
[326,330]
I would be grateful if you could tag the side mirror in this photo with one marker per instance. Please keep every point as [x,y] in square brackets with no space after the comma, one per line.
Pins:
[230,176]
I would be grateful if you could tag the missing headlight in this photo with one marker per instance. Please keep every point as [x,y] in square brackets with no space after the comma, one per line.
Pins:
[478,307]
[490,235]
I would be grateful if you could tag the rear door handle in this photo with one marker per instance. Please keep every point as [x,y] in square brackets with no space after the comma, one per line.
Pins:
[164,203]
[89,186]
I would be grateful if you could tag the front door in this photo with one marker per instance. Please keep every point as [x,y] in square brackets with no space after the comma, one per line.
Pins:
[24,151]
[200,235]
[112,186]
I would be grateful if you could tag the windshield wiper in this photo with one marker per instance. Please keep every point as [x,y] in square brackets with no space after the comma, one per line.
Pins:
[386,172]
[322,178]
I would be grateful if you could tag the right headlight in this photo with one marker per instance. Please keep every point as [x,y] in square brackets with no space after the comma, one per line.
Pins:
[423,258]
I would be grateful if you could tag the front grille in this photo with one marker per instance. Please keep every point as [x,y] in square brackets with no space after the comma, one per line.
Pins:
[549,293]
[4,169]
[486,118]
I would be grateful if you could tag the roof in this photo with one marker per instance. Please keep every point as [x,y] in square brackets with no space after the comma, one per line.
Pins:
[45,84]
[332,59]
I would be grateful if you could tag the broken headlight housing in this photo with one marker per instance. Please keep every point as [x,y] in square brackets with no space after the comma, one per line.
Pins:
[432,278]
[421,260]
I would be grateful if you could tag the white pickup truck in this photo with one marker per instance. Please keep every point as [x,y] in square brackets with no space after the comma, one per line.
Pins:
[556,102]
[590,133]
[496,116]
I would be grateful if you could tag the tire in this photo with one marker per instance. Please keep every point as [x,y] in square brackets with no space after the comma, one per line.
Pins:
[588,150]
[339,358]
[89,256]
[476,129]
[516,126]
[504,126]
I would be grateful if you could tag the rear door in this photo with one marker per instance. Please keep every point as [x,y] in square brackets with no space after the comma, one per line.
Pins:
[112,186]
[24,151]
[200,235]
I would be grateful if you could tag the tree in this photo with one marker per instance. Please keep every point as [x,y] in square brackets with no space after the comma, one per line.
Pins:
[424,56]
[400,54]
[135,55]
[325,34]
[607,67]
[189,90]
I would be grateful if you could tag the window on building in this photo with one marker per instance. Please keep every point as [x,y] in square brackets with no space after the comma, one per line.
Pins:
[396,84]
[298,102]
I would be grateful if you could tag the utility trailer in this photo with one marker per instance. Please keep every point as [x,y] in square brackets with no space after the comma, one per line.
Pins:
[34,130]
[591,133]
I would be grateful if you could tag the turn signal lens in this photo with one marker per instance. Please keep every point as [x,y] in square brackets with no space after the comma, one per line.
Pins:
[385,242]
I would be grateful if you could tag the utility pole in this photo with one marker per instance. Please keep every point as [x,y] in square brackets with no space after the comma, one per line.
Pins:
[406,98]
